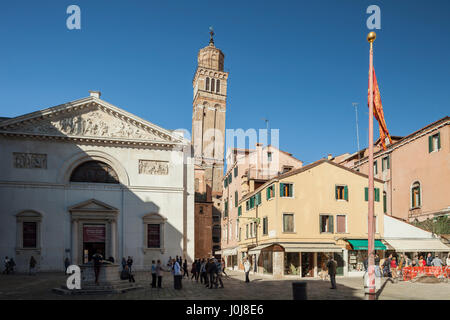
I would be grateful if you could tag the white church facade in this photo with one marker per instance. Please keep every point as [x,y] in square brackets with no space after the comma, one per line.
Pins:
[86,176]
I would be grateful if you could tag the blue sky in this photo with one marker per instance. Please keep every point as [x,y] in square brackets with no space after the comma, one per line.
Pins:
[300,64]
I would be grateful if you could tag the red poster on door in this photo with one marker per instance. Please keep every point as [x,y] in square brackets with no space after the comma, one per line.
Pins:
[93,233]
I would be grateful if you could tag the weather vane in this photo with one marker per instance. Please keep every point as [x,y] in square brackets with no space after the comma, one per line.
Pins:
[211,32]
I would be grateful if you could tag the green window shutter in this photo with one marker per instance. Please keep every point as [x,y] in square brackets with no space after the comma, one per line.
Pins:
[366,194]
[236,199]
[246,205]
[388,162]
[239,211]
[331,224]
[439,140]
[420,198]
[346,193]
[291,193]
[384,203]
[377,194]
[336,192]
[281,189]
[230,178]
[382,164]
[430,144]
[268,193]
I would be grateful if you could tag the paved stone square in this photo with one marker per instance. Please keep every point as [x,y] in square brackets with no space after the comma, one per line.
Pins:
[260,288]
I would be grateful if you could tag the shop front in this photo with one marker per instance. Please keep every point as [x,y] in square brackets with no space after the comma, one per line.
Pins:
[230,255]
[357,253]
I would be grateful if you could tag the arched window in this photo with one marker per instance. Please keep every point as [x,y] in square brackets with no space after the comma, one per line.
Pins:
[207,84]
[415,195]
[213,82]
[94,172]
[218,86]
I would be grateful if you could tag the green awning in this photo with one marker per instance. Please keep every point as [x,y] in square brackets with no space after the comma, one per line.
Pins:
[361,244]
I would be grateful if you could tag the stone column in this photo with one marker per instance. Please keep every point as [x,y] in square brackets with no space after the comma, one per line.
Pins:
[345,262]
[278,264]
[74,242]
[315,264]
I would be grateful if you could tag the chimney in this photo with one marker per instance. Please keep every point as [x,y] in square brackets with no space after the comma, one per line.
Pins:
[95,94]
[330,156]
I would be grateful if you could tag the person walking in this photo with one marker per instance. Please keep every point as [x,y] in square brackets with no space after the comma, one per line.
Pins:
[219,273]
[176,275]
[198,266]
[129,262]
[6,261]
[159,270]
[387,267]
[447,262]
[394,268]
[247,267]
[124,263]
[32,266]
[211,269]
[185,269]
[66,264]
[331,266]
[153,274]
[223,268]
[12,264]
[194,269]
[203,275]
[98,258]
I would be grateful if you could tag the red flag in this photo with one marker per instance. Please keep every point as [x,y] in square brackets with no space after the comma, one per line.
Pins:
[378,111]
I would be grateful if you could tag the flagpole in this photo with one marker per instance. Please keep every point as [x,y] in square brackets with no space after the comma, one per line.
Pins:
[371,38]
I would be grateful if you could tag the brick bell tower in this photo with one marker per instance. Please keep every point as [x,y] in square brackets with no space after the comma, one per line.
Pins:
[208,139]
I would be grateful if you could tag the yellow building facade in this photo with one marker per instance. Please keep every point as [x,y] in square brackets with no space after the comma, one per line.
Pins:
[292,223]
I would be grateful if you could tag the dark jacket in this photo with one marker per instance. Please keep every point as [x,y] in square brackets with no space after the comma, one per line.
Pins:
[331,265]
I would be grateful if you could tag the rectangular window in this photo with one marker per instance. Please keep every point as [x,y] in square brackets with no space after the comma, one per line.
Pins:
[251,230]
[230,178]
[153,236]
[270,192]
[225,182]
[288,222]
[341,224]
[384,202]
[385,163]
[247,205]
[269,156]
[240,234]
[265,226]
[286,190]
[236,198]
[258,198]
[341,193]
[434,142]
[375,167]
[29,234]
[326,224]
[246,231]
[235,172]
[239,211]
[376,194]
[226,208]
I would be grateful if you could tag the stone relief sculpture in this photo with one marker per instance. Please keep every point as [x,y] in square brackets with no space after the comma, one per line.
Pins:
[30,160]
[153,167]
[94,124]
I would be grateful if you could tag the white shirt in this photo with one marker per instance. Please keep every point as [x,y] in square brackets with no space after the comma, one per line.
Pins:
[247,266]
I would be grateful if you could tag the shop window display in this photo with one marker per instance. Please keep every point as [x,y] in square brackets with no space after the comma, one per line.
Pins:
[292,263]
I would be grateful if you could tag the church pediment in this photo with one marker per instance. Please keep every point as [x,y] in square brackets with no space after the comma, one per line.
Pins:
[93,205]
[89,118]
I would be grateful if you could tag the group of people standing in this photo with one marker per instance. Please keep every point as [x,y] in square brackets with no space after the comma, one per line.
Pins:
[10,264]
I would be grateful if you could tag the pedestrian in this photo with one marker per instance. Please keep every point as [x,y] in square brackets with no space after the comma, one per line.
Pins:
[223,268]
[130,262]
[387,267]
[124,263]
[12,264]
[377,260]
[185,269]
[32,266]
[394,267]
[366,263]
[130,275]
[203,274]
[153,274]
[198,266]
[169,262]
[194,269]
[66,264]
[247,267]
[6,261]
[159,270]
[429,260]
[447,262]
[331,266]
[211,269]
[98,258]
[437,262]
[219,273]
[176,275]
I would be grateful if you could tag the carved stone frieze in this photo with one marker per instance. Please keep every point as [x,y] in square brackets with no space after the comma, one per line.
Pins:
[153,167]
[24,160]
